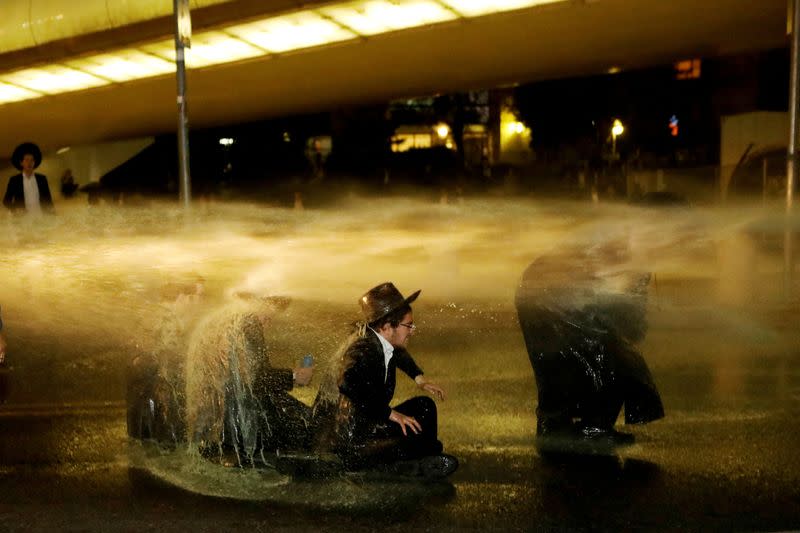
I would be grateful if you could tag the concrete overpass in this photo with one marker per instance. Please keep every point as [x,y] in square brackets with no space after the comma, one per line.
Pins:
[423,47]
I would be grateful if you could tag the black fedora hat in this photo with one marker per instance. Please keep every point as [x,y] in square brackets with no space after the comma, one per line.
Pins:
[381,300]
[23,149]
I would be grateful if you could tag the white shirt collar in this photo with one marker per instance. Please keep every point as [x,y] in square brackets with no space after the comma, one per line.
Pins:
[388,351]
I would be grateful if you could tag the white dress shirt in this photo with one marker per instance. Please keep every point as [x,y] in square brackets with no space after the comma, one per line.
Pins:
[31,192]
[388,352]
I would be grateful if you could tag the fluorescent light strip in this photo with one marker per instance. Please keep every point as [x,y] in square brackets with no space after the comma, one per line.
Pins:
[213,48]
[379,16]
[208,48]
[292,32]
[124,65]
[163,49]
[475,8]
[295,31]
[11,93]
[53,79]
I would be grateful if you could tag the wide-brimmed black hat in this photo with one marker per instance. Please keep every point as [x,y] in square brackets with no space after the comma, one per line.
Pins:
[382,300]
[23,149]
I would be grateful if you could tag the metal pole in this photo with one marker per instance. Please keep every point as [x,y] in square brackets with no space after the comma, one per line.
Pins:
[794,139]
[794,101]
[181,9]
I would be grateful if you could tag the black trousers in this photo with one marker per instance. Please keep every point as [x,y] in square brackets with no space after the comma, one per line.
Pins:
[285,423]
[385,443]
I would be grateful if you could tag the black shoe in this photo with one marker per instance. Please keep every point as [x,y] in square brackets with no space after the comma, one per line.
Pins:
[428,467]
[609,437]
[554,427]
[583,441]
[438,466]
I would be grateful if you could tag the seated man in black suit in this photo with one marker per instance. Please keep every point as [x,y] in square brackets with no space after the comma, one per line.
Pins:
[28,191]
[368,432]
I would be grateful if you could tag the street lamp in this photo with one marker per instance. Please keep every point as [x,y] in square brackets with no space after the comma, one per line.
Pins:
[616,130]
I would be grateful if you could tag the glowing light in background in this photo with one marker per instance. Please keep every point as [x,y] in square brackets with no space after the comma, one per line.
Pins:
[617,129]
[515,138]
[515,127]
[673,126]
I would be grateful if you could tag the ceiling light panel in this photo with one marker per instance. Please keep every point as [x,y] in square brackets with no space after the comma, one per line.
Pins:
[208,48]
[53,79]
[292,32]
[378,16]
[162,49]
[10,93]
[213,48]
[124,65]
[474,8]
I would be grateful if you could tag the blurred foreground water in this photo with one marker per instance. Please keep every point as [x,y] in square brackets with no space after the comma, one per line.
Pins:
[80,293]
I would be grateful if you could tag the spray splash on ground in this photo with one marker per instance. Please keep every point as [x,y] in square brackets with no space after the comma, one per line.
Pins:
[80,291]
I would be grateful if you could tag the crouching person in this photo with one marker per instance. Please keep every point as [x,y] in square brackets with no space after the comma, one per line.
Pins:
[239,409]
[369,433]
[581,327]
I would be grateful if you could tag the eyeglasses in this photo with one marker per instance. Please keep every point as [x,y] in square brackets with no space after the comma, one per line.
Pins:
[411,326]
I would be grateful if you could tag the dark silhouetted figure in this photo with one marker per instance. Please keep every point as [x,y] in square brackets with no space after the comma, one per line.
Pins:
[68,185]
[581,337]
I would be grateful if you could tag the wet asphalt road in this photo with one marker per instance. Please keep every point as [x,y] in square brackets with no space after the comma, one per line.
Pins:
[724,458]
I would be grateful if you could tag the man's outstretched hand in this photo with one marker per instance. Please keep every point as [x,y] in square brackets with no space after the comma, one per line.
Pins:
[430,388]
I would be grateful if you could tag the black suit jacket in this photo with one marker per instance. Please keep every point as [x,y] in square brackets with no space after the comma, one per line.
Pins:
[15,195]
[365,395]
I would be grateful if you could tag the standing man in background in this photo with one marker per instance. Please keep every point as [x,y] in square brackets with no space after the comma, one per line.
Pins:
[28,191]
